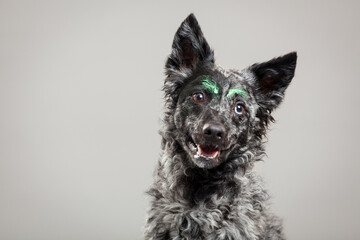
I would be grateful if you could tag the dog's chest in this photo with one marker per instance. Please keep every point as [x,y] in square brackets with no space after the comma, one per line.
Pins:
[228,220]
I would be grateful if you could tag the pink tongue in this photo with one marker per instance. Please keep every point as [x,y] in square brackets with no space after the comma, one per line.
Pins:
[209,151]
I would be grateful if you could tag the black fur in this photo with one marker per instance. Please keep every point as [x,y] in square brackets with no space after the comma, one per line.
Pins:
[204,186]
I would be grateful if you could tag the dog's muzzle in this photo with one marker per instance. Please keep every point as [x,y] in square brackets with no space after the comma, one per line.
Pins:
[208,145]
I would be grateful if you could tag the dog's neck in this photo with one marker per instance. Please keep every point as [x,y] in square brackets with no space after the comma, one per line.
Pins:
[180,179]
[201,185]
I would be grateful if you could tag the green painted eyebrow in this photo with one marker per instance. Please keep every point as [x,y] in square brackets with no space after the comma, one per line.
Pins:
[239,91]
[209,84]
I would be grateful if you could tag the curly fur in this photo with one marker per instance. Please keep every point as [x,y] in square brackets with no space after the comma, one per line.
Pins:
[208,199]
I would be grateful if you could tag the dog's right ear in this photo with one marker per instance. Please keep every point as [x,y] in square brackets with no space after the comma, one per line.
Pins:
[189,49]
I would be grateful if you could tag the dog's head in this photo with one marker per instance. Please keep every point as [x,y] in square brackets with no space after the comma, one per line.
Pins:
[218,115]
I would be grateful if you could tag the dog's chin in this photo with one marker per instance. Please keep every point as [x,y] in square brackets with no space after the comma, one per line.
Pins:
[205,155]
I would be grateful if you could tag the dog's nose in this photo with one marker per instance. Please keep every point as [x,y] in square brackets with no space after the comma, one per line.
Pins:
[213,131]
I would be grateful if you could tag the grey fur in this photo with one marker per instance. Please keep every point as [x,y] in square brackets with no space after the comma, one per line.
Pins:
[199,197]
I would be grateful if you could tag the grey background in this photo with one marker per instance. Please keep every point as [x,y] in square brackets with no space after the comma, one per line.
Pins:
[80,105]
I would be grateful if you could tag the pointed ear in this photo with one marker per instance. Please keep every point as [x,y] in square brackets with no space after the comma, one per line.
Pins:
[189,48]
[272,78]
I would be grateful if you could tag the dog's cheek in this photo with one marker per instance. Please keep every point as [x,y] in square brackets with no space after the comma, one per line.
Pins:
[243,137]
[192,124]
[178,118]
[240,129]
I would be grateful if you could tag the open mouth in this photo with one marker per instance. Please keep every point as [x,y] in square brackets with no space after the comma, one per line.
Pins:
[204,151]
[207,152]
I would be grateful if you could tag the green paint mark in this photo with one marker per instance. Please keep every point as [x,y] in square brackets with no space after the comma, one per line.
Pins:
[209,84]
[239,91]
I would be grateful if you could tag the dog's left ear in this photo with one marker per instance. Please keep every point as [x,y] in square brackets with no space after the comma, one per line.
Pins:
[272,78]
[189,48]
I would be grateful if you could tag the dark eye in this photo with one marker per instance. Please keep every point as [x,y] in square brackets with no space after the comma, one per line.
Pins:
[198,97]
[239,109]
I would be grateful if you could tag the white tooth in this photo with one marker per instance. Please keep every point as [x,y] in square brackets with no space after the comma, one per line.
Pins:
[197,155]
[199,150]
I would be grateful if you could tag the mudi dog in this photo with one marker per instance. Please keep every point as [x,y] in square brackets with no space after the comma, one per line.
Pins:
[214,127]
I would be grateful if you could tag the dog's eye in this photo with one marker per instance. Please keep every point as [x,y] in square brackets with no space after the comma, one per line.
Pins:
[239,109]
[198,97]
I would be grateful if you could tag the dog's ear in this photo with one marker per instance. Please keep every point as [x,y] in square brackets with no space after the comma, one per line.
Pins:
[189,51]
[189,48]
[272,78]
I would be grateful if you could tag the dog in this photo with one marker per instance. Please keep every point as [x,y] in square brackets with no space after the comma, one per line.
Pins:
[214,128]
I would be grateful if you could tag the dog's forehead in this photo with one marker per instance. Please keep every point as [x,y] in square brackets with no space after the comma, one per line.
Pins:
[229,82]
[232,77]
[220,80]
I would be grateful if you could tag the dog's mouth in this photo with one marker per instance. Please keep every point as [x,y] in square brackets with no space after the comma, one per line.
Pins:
[208,152]
[205,155]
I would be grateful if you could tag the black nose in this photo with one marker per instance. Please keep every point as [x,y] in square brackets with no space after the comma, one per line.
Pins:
[214,131]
